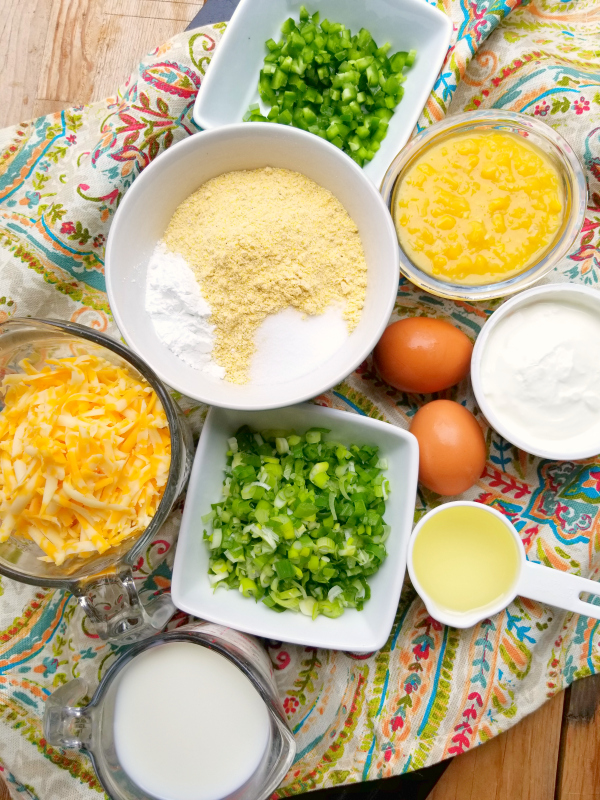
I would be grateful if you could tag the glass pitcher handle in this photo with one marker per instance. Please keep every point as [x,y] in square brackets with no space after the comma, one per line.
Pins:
[64,724]
[113,604]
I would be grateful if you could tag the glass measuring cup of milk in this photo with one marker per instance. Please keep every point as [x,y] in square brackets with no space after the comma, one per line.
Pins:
[103,584]
[191,714]
[467,562]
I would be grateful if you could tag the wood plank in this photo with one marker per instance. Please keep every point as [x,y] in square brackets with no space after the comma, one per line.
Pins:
[42,107]
[124,44]
[58,53]
[75,33]
[182,10]
[23,29]
[517,765]
[579,766]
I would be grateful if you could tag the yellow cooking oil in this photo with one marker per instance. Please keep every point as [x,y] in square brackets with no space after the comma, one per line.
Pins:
[465,559]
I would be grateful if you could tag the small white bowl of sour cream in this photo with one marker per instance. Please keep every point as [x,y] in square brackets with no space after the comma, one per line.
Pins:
[536,371]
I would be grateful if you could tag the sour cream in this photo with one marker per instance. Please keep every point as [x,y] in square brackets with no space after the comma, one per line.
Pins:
[540,375]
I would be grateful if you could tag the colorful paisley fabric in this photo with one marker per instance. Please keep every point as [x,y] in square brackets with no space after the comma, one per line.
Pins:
[431,692]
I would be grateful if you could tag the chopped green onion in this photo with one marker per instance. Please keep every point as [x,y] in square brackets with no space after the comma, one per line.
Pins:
[300,524]
[282,445]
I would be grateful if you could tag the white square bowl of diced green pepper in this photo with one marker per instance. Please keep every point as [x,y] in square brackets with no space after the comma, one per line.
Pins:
[354,630]
[231,84]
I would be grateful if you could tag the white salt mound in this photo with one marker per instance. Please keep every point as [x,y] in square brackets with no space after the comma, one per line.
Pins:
[290,344]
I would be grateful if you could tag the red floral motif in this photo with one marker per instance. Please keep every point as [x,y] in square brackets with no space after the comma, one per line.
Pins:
[67,227]
[290,705]
[138,564]
[132,154]
[422,649]
[360,656]
[593,481]
[581,105]
[180,619]
[173,78]
[283,659]
[479,13]
[506,72]
[506,482]
[528,534]
[541,110]
[461,740]
[111,197]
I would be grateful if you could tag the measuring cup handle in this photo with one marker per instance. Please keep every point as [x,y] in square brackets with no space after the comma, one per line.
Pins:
[557,588]
[112,602]
[65,724]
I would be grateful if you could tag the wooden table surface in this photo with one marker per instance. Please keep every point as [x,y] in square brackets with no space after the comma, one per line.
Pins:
[57,53]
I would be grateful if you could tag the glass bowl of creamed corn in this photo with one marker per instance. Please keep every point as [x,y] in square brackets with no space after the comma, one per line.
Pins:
[93,453]
[484,204]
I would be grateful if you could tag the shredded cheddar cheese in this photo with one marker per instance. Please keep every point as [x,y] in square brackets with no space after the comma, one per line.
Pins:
[85,452]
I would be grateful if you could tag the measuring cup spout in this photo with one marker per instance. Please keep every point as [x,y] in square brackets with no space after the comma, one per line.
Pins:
[556,588]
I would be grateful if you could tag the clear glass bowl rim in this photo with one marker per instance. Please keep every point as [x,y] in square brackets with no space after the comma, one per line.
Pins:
[572,171]
[177,448]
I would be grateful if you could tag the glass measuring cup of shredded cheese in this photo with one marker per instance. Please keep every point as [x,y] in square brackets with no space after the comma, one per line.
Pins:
[101,576]
[192,713]
[467,562]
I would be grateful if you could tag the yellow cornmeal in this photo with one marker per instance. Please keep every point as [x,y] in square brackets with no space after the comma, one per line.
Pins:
[478,208]
[260,241]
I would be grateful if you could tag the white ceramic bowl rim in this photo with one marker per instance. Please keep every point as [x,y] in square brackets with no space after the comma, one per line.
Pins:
[465,619]
[525,298]
[508,119]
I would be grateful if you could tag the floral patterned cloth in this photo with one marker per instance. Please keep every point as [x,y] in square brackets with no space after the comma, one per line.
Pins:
[432,691]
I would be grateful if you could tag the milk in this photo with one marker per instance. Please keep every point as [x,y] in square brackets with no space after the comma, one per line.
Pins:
[188,724]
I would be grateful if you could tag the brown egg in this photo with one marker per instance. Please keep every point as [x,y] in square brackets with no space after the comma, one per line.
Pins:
[451,447]
[422,355]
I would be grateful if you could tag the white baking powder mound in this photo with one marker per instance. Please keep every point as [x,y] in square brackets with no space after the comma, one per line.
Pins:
[290,344]
[179,312]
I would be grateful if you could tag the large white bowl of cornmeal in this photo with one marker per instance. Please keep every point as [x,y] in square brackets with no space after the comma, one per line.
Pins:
[253,266]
